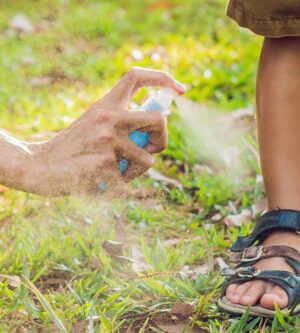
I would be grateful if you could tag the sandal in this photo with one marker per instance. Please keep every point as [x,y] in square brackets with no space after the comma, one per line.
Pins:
[247,253]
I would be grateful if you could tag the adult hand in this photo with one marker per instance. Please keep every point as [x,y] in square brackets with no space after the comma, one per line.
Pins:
[87,152]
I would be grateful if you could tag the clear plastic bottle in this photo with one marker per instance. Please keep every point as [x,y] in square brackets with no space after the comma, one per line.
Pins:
[161,101]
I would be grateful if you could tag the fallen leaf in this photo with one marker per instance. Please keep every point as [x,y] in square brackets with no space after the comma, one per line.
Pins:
[113,248]
[191,272]
[182,310]
[222,264]
[155,175]
[175,241]
[13,280]
[259,207]
[21,23]
[237,220]
[140,264]
[216,217]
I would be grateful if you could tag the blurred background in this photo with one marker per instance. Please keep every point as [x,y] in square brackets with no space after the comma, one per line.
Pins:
[58,273]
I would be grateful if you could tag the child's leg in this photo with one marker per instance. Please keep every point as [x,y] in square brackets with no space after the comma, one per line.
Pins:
[278,111]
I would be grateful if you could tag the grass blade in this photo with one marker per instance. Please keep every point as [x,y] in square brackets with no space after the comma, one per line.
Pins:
[46,305]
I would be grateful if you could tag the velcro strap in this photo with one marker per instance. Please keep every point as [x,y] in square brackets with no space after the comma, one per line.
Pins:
[274,220]
[254,253]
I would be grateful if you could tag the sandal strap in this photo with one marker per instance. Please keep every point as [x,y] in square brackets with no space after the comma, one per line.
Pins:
[290,282]
[274,220]
[254,253]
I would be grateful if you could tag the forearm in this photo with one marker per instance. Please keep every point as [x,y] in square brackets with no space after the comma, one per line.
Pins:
[15,158]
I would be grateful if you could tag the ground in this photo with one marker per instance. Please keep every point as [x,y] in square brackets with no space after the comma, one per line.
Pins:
[60,270]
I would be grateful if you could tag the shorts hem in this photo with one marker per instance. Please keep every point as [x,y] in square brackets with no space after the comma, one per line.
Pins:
[268,27]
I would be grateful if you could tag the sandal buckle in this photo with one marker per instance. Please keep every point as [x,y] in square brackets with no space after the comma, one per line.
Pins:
[258,255]
[246,272]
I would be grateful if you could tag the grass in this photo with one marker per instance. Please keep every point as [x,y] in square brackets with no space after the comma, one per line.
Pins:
[55,274]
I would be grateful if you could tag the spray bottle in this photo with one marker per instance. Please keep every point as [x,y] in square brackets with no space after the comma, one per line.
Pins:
[160,101]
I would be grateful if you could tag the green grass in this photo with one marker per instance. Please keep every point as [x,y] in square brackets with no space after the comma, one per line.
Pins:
[80,49]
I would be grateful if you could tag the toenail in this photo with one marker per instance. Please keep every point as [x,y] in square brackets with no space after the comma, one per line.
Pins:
[246,299]
[235,297]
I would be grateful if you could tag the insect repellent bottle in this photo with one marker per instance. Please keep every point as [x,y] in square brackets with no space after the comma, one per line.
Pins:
[160,101]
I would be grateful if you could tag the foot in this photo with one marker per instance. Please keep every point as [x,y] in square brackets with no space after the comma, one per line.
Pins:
[264,292]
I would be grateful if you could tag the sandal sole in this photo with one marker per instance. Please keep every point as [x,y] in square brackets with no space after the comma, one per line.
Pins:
[256,310]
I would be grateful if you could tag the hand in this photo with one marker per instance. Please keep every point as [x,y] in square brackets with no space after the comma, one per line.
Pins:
[87,152]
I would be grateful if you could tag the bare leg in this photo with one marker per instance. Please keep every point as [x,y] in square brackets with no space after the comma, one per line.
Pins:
[278,111]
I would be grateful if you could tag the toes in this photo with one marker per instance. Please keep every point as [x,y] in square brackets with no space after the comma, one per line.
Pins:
[275,295]
[253,293]
[230,291]
[235,294]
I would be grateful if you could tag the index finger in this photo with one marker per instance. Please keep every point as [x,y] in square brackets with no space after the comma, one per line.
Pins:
[138,77]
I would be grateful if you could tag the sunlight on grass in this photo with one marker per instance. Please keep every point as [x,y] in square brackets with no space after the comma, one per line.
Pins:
[171,238]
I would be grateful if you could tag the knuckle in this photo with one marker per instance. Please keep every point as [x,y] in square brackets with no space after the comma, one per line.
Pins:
[166,76]
[159,119]
[133,73]
[108,137]
[101,116]
[109,159]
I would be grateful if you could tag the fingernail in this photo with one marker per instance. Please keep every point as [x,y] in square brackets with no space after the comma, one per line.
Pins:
[180,87]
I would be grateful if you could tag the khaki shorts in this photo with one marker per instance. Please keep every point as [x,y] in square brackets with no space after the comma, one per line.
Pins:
[270,18]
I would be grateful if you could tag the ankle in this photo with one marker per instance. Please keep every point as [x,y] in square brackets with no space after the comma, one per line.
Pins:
[283,237]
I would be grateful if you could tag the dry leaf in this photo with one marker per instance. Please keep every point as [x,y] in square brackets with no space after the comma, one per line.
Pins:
[140,264]
[222,264]
[171,242]
[216,217]
[259,207]
[113,248]
[13,280]
[155,175]
[182,310]
[237,220]
[191,272]
[21,23]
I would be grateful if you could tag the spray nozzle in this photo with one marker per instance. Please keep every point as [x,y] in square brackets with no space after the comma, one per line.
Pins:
[161,100]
